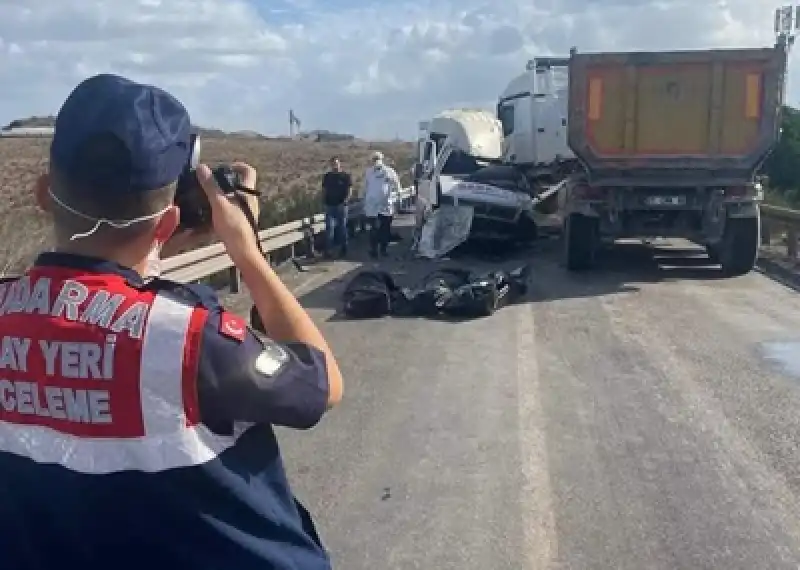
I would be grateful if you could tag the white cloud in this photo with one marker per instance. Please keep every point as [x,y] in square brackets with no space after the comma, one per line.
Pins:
[374,69]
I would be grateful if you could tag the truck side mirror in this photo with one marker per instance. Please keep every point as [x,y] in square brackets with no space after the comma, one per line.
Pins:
[428,152]
[418,170]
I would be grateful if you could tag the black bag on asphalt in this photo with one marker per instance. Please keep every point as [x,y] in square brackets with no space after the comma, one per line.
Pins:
[478,298]
[436,290]
[482,295]
[452,291]
[370,294]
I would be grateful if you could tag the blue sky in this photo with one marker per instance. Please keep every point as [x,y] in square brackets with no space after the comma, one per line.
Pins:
[362,66]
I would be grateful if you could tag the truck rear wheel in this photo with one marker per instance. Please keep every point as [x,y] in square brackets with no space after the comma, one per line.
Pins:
[580,242]
[739,248]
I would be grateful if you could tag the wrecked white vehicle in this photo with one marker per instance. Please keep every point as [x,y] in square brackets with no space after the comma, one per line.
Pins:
[465,190]
[498,194]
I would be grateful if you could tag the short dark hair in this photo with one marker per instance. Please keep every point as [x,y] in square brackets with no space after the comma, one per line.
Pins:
[89,198]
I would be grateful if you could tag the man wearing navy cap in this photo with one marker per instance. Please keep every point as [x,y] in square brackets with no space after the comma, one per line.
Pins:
[136,414]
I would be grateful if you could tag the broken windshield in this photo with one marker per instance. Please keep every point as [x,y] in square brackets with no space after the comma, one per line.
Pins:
[459,163]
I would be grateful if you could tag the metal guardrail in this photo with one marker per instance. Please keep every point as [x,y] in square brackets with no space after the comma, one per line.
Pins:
[205,261]
[403,200]
[776,220]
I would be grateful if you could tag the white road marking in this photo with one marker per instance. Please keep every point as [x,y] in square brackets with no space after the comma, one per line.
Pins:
[538,518]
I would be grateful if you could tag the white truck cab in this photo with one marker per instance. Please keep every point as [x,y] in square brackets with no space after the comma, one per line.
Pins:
[533,112]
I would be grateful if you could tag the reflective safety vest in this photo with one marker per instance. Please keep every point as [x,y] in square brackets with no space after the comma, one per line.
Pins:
[104,461]
[100,377]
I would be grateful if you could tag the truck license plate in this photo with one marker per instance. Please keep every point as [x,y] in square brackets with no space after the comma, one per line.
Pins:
[665,200]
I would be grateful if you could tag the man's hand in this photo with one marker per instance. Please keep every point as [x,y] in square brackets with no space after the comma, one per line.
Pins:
[229,221]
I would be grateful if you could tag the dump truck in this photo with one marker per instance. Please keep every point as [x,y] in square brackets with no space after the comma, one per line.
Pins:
[670,144]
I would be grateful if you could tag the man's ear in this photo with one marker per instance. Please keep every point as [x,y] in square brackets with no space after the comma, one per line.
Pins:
[168,224]
[41,192]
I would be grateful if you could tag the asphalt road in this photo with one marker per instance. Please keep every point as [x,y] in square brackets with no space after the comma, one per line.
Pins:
[642,417]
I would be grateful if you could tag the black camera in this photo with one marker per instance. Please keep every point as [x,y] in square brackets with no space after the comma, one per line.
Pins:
[190,196]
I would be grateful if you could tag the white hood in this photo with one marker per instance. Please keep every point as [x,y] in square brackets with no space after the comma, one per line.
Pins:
[476,192]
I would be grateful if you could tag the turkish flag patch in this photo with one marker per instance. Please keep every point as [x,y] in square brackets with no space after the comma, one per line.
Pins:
[232,326]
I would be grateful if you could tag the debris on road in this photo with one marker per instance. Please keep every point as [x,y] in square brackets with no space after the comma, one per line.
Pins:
[451,292]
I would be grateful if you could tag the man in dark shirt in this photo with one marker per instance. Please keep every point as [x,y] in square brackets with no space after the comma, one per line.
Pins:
[136,415]
[336,186]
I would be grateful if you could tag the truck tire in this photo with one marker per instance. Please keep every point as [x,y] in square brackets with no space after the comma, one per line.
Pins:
[580,242]
[739,248]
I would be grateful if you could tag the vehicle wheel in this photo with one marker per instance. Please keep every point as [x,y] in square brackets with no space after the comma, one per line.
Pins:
[580,242]
[739,248]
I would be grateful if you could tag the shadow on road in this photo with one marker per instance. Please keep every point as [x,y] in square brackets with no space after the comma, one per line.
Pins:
[650,263]
[621,269]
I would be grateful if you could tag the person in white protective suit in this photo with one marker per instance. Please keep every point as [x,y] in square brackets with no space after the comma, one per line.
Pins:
[380,181]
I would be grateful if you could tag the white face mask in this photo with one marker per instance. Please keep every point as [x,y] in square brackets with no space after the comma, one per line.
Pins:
[99,221]
[153,268]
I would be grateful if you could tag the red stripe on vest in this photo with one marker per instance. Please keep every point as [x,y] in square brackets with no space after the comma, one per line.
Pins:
[191,363]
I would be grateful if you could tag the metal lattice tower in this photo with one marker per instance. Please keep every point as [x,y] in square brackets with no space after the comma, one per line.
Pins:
[787,23]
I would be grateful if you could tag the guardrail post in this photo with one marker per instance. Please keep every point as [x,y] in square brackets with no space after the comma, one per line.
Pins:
[235,280]
[791,245]
[308,232]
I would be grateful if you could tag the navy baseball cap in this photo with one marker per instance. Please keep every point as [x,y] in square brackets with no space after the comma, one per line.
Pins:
[116,135]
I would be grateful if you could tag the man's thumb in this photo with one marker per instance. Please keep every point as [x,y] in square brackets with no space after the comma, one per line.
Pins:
[206,179]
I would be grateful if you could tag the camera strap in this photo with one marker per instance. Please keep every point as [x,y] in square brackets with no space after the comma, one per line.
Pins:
[251,219]
[248,213]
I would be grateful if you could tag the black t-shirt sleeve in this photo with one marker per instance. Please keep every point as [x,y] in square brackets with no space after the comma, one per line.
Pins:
[259,380]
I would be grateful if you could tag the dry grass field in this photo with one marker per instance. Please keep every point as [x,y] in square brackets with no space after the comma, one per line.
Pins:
[290,173]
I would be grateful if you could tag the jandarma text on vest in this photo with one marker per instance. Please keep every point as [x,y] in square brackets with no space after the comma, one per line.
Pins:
[103,308]
[74,360]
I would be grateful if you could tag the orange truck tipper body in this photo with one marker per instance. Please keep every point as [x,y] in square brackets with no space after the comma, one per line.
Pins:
[715,110]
